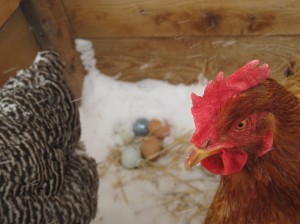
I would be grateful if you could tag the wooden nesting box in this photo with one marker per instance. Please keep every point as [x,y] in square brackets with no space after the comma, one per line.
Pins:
[172,40]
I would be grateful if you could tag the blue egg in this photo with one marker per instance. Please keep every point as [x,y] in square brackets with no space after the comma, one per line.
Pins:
[140,127]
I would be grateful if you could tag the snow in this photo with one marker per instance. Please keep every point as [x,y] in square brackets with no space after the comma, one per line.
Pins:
[108,110]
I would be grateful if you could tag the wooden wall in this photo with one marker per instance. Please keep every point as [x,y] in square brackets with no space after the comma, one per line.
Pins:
[17,44]
[176,40]
[31,25]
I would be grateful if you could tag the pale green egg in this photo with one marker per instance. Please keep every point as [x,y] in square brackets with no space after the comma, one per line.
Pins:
[131,157]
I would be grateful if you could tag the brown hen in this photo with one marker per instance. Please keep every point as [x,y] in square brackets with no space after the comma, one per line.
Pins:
[248,130]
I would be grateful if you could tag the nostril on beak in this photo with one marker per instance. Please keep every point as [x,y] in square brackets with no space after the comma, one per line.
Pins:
[205,144]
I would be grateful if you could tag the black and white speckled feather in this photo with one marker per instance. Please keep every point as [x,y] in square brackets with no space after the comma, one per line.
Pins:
[42,177]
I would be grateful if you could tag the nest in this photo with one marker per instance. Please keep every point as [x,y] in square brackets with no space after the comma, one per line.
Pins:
[189,197]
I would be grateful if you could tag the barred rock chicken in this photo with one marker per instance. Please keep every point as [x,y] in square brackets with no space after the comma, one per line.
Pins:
[248,130]
[44,177]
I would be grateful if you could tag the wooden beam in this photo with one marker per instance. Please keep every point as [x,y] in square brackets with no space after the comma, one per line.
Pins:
[169,18]
[7,8]
[51,28]
[181,60]
[17,46]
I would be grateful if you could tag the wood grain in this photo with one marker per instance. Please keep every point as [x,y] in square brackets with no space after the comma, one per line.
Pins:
[7,7]
[169,18]
[182,59]
[17,46]
[48,19]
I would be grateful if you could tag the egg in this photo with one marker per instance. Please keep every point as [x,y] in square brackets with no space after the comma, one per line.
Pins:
[127,136]
[150,147]
[158,128]
[140,127]
[131,157]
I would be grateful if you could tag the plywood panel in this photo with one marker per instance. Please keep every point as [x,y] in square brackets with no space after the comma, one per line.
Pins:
[169,18]
[182,59]
[17,46]
[7,7]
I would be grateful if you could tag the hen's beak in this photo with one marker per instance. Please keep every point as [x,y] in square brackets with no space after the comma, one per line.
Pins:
[195,155]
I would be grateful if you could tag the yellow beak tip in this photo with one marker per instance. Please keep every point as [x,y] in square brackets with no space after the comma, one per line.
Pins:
[187,167]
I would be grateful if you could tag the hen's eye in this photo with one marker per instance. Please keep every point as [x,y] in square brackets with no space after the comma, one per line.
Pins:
[242,124]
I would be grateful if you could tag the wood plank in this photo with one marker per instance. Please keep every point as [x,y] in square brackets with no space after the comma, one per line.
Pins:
[17,46]
[169,18]
[7,7]
[52,30]
[181,60]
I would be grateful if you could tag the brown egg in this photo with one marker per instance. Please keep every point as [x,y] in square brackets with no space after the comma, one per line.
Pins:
[158,129]
[150,147]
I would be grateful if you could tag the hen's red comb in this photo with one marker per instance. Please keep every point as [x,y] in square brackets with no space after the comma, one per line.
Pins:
[218,92]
